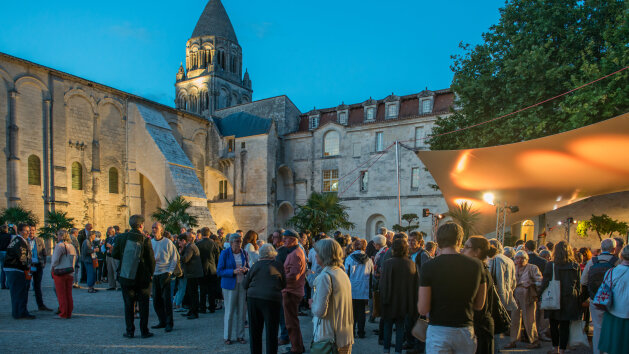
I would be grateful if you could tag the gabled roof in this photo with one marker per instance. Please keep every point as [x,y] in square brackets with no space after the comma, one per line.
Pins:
[214,21]
[243,124]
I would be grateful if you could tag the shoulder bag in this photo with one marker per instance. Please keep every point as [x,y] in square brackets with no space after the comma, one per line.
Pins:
[605,295]
[63,271]
[551,296]
[325,346]
[502,319]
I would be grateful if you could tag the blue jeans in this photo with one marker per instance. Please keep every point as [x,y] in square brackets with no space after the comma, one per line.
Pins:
[3,277]
[19,293]
[181,292]
[399,333]
[91,276]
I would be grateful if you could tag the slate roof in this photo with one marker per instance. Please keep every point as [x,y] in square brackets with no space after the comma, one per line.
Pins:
[214,21]
[243,124]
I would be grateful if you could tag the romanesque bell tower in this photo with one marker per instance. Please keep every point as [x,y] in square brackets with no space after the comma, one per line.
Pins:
[212,77]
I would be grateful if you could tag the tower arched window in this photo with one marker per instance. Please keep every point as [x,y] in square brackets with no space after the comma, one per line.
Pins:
[113,180]
[34,171]
[331,142]
[77,176]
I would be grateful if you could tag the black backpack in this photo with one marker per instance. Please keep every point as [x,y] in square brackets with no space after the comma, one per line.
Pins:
[596,273]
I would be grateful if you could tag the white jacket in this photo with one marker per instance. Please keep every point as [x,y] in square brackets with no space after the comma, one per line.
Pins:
[333,316]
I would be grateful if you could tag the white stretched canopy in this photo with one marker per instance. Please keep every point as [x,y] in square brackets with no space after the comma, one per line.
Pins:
[537,175]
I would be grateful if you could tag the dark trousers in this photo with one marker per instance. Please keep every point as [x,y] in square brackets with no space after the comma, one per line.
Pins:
[131,295]
[559,332]
[18,287]
[83,272]
[484,343]
[192,293]
[162,299]
[291,316]
[359,316]
[208,293]
[399,333]
[283,330]
[263,313]
[3,277]
[36,281]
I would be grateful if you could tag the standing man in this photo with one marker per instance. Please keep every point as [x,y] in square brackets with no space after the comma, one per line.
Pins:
[112,264]
[542,323]
[83,234]
[74,233]
[295,269]
[38,264]
[135,253]
[17,265]
[209,252]
[192,270]
[5,239]
[166,259]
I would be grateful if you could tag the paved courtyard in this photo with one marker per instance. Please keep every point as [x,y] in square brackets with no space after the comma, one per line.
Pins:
[98,323]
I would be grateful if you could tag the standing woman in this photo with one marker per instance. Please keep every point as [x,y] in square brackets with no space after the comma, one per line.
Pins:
[233,264]
[87,252]
[527,278]
[614,338]
[568,272]
[250,244]
[332,299]
[264,284]
[398,293]
[63,259]
[478,247]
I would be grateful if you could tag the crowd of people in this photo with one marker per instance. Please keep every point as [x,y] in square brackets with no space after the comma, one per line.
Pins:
[445,296]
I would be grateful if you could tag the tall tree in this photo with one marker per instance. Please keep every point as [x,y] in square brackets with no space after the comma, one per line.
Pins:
[323,212]
[539,49]
[175,215]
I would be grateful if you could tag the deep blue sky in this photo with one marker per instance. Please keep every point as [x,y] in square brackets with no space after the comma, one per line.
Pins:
[318,53]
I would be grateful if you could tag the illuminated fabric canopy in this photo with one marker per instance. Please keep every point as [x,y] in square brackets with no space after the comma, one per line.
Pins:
[538,175]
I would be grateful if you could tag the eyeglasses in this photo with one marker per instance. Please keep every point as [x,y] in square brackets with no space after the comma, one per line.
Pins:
[237,241]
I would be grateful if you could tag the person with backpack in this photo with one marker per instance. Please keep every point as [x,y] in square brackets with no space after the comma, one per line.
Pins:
[359,269]
[137,265]
[592,278]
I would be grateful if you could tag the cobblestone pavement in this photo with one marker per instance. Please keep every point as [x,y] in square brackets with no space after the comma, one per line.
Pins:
[98,323]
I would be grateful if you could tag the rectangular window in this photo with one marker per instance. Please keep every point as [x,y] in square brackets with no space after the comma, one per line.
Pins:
[371,113]
[392,111]
[364,179]
[426,106]
[343,118]
[330,180]
[242,145]
[379,142]
[419,137]
[314,122]
[231,145]
[415,178]
[222,189]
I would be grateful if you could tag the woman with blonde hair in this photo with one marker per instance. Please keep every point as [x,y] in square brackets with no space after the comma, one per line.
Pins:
[332,300]
[63,259]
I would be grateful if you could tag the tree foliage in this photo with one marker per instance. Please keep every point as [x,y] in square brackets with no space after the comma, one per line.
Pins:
[175,215]
[539,49]
[17,215]
[410,221]
[466,217]
[55,221]
[323,212]
[603,225]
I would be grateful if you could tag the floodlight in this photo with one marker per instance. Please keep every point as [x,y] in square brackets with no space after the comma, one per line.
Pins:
[489,198]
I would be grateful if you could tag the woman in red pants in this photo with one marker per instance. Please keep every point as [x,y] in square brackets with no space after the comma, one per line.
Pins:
[63,260]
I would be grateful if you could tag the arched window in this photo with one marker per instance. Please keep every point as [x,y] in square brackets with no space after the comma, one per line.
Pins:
[331,144]
[77,176]
[113,180]
[34,171]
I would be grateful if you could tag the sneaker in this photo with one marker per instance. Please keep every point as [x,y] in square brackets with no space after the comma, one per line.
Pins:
[158,326]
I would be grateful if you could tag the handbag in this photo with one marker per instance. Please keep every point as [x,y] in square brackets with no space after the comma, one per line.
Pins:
[500,315]
[94,261]
[605,296]
[325,346]
[577,336]
[63,271]
[551,296]
[420,328]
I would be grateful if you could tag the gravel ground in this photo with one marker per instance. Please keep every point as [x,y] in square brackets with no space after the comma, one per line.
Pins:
[98,323]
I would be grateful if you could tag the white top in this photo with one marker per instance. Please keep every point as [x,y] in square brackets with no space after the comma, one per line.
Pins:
[238,260]
[166,256]
[254,255]
[620,290]
[332,307]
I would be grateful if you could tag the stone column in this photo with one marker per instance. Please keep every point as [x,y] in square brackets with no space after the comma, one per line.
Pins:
[96,170]
[14,160]
[46,161]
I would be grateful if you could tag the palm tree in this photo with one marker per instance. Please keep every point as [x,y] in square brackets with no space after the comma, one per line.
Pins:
[17,215]
[55,221]
[175,215]
[466,217]
[323,212]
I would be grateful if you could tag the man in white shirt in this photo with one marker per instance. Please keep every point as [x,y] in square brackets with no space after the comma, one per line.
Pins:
[166,259]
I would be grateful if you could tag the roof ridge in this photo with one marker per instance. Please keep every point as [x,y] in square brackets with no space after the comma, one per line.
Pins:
[214,21]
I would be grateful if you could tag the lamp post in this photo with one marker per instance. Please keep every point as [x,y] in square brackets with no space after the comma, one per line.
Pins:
[501,214]
[567,223]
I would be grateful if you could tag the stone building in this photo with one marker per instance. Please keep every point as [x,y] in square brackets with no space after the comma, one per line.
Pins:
[102,154]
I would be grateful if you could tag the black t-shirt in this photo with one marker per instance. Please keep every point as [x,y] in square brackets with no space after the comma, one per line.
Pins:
[454,280]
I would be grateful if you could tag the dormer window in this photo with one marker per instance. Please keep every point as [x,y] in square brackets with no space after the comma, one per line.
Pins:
[392,110]
[314,122]
[426,106]
[371,113]
[343,117]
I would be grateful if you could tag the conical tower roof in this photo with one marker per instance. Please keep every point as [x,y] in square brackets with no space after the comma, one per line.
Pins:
[214,21]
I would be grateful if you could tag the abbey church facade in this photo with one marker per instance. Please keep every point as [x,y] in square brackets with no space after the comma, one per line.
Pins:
[102,154]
